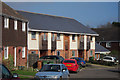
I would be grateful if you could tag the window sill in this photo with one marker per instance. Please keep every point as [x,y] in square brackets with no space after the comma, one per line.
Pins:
[73,40]
[58,40]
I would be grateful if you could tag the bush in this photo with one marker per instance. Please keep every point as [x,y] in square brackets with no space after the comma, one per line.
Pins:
[91,59]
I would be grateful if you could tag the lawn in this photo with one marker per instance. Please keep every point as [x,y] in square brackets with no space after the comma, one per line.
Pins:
[25,72]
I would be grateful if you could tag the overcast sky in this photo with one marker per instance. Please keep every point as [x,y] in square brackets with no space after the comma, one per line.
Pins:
[88,13]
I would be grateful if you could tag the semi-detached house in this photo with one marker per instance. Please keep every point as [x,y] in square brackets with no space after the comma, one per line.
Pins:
[14,36]
[62,36]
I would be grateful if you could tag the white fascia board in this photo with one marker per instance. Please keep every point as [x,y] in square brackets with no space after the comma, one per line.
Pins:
[61,32]
[104,52]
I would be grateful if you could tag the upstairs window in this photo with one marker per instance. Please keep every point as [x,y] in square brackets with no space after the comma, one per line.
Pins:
[6,53]
[6,22]
[108,44]
[82,38]
[44,36]
[23,52]
[23,26]
[73,37]
[53,37]
[15,25]
[58,36]
[33,35]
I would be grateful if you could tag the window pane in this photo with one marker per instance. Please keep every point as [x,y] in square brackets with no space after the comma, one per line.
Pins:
[23,26]
[33,35]
[73,37]
[23,52]
[53,37]
[73,53]
[58,36]
[6,52]
[15,24]
[44,36]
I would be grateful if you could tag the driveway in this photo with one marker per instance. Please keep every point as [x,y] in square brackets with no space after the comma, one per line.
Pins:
[97,71]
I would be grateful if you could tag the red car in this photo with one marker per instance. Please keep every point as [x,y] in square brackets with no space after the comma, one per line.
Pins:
[71,64]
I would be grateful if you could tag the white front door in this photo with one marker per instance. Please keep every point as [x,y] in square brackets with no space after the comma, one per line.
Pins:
[15,56]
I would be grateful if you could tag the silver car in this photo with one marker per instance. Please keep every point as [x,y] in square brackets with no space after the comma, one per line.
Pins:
[53,71]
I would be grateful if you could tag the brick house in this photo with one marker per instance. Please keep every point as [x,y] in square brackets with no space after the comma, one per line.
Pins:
[62,36]
[100,51]
[109,38]
[14,35]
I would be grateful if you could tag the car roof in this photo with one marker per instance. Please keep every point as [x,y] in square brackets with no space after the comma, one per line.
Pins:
[53,64]
[71,59]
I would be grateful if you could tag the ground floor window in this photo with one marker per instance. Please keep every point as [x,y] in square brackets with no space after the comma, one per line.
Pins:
[33,52]
[23,52]
[58,53]
[73,53]
[91,53]
[95,56]
[6,53]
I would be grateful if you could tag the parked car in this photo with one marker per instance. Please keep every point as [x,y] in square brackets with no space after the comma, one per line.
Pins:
[110,59]
[53,71]
[80,61]
[53,57]
[71,65]
[7,75]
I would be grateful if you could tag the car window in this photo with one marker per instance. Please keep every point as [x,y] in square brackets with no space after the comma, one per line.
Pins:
[69,61]
[108,58]
[51,68]
[5,73]
[61,58]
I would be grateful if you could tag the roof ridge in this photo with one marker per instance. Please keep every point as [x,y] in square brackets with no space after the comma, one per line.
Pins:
[45,14]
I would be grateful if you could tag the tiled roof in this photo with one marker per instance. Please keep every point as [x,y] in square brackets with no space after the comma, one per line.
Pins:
[55,23]
[99,48]
[8,11]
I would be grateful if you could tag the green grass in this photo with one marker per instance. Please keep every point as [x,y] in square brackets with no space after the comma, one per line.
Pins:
[25,72]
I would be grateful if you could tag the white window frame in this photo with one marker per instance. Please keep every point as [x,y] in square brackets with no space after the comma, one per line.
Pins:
[23,26]
[108,44]
[23,52]
[6,22]
[15,24]
[6,55]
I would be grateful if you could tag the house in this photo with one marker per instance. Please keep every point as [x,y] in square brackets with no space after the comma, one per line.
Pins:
[14,36]
[109,38]
[100,51]
[56,35]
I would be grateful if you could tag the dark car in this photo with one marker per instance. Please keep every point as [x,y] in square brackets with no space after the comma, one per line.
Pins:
[7,75]
[80,61]
[53,57]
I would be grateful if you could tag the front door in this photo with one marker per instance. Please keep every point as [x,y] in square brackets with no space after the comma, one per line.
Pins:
[66,45]
[15,56]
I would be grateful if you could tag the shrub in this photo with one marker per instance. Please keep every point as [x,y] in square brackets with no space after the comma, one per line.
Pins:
[91,59]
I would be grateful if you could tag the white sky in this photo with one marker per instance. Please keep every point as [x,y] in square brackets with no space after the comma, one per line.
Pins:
[60,0]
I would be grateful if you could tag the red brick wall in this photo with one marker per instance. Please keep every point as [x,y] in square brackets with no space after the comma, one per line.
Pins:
[19,60]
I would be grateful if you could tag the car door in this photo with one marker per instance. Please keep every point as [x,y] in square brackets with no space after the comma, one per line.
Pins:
[66,72]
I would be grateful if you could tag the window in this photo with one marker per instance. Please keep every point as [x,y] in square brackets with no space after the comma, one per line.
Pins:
[91,53]
[23,26]
[98,56]
[108,44]
[58,53]
[44,36]
[23,52]
[6,22]
[33,35]
[6,53]
[53,37]
[73,37]
[33,52]
[95,56]
[73,53]
[15,24]
[58,36]
[82,38]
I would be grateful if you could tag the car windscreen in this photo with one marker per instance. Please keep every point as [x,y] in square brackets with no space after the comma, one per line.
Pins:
[75,59]
[69,61]
[50,68]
